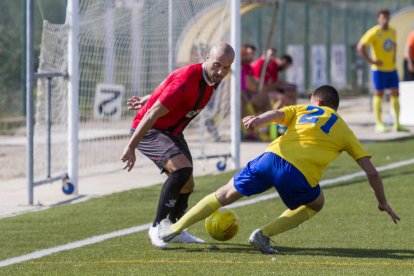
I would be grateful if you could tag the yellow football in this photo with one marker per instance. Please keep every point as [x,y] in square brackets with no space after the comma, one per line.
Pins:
[222,225]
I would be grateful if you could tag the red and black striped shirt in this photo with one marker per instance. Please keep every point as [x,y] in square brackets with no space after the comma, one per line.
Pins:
[184,93]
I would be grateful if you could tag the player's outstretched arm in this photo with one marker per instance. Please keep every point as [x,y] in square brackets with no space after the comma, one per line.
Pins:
[136,102]
[376,184]
[156,111]
[252,122]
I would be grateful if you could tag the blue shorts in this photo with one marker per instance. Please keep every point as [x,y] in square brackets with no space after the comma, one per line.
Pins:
[385,80]
[270,170]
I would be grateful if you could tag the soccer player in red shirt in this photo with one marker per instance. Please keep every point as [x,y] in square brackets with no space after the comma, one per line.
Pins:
[157,132]
[272,72]
[280,92]
[249,83]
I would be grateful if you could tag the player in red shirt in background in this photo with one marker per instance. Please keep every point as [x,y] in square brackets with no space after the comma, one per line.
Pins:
[279,92]
[157,132]
[249,83]
[271,73]
[252,101]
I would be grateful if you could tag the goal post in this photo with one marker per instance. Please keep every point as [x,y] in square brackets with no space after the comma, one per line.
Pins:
[72,19]
[29,99]
[235,83]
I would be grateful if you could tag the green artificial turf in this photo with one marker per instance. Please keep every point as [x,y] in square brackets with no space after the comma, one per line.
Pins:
[348,237]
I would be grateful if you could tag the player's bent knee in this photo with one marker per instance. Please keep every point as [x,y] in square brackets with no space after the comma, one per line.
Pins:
[182,175]
[317,204]
[227,194]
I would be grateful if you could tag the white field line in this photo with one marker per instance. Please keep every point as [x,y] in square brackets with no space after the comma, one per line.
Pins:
[73,245]
[96,239]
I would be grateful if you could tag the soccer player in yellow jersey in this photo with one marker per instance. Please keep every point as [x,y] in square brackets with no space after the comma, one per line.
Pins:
[293,165]
[382,40]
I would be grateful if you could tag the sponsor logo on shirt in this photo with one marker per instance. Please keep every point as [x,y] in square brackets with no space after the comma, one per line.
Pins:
[388,45]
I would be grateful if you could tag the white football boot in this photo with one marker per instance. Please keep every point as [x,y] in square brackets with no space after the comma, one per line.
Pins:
[185,237]
[262,242]
[155,238]
[167,235]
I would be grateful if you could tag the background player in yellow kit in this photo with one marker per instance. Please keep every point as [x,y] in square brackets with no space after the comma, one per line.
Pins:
[382,40]
[293,165]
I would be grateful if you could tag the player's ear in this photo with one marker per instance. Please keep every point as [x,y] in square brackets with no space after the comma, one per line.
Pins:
[318,101]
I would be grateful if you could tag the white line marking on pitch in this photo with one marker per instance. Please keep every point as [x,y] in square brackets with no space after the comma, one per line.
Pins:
[96,239]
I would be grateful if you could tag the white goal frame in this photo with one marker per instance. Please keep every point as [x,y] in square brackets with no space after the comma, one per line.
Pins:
[72,20]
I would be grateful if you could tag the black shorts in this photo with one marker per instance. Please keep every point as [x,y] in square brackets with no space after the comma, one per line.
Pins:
[161,146]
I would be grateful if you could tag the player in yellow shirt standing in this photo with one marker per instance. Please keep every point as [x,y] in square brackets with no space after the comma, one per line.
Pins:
[382,40]
[293,165]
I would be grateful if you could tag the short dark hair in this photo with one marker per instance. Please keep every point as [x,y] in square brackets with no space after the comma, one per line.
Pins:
[328,96]
[288,58]
[383,12]
[249,46]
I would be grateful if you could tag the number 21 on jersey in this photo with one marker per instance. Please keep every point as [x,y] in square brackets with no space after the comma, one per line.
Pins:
[313,117]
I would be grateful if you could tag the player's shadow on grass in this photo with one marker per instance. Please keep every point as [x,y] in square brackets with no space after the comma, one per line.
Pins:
[396,254]
[224,247]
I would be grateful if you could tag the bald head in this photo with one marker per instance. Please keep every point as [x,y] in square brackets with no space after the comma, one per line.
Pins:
[222,49]
[218,61]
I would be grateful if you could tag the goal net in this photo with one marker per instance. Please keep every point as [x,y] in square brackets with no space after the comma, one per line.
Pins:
[126,48]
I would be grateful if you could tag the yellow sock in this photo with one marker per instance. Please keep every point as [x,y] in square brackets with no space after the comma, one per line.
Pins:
[377,107]
[289,219]
[201,210]
[395,103]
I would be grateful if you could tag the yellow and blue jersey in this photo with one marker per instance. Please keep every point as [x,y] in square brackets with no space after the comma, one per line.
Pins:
[316,135]
[383,45]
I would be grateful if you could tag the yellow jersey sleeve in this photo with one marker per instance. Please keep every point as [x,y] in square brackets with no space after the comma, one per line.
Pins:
[314,138]
[369,35]
[383,46]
